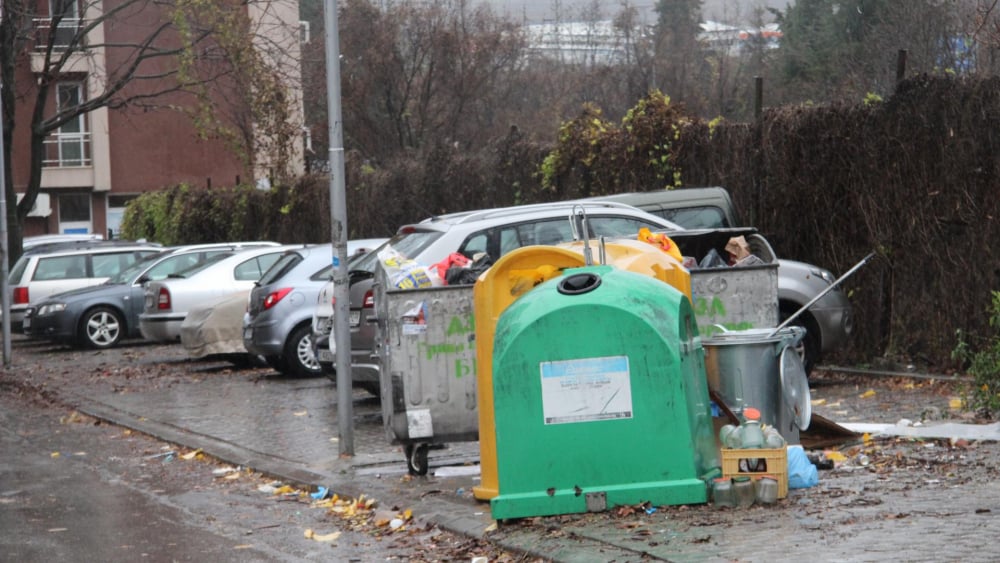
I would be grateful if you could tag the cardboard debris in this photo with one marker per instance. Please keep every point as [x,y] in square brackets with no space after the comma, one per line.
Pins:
[944,430]
[824,433]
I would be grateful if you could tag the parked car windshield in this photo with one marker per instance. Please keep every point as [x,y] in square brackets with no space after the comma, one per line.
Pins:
[708,217]
[188,272]
[277,270]
[129,274]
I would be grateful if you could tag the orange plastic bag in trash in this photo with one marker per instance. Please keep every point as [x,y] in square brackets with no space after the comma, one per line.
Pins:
[665,243]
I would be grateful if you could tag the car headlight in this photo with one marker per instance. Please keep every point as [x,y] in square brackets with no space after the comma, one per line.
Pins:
[50,308]
[825,275]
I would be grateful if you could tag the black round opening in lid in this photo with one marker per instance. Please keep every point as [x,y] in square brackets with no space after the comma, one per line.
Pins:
[578,284]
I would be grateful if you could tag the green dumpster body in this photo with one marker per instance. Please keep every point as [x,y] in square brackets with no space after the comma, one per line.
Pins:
[600,397]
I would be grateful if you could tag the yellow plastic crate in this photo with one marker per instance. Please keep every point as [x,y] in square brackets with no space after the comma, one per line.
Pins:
[776,460]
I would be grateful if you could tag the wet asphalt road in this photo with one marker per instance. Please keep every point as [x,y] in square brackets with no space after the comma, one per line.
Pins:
[914,500]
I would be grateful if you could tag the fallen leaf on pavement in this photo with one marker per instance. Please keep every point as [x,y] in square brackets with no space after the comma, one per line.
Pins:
[835,456]
[311,535]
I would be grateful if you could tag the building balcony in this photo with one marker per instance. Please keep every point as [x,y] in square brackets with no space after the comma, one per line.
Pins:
[67,150]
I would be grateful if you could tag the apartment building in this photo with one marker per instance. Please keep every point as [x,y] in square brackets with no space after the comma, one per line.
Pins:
[95,164]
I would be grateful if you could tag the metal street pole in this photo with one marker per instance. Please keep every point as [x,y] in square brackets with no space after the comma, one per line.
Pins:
[4,247]
[338,232]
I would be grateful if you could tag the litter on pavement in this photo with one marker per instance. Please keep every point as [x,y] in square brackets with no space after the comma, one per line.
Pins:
[905,427]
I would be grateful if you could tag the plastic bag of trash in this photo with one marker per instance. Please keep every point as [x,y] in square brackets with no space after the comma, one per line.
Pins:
[802,473]
[404,273]
[453,260]
[713,260]
[468,274]
[749,260]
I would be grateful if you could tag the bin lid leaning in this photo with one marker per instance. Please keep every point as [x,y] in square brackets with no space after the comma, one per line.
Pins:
[795,387]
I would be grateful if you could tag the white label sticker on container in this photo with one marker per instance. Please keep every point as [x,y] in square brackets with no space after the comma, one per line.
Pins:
[418,423]
[585,390]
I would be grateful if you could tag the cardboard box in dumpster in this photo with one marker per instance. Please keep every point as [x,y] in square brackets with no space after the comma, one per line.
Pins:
[736,297]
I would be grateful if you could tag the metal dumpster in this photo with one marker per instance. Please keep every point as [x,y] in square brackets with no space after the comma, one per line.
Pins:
[731,297]
[426,346]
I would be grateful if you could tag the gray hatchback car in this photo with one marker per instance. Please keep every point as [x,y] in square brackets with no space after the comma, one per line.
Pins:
[278,323]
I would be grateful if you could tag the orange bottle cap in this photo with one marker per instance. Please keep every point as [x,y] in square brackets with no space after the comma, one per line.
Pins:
[751,413]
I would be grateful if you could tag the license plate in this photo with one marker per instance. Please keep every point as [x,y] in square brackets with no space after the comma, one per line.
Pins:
[325,356]
[355,318]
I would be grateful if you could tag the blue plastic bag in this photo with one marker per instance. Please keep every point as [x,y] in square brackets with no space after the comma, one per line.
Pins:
[802,473]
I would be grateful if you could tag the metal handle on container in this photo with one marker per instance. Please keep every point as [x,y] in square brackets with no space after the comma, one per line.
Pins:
[822,293]
[588,256]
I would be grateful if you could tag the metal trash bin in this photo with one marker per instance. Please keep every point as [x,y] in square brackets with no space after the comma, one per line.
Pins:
[760,368]
[427,355]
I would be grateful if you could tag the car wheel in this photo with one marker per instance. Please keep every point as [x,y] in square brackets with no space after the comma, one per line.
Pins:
[807,348]
[101,327]
[299,358]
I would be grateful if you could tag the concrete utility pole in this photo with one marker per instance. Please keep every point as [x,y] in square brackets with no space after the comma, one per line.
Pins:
[338,231]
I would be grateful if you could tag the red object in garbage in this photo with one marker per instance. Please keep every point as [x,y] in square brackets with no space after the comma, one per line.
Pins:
[453,259]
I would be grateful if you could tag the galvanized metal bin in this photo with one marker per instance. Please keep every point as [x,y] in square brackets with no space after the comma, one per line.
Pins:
[426,347]
[731,297]
[748,368]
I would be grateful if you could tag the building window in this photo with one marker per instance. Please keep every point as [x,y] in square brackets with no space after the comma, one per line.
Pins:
[74,213]
[70,145]
[65,14]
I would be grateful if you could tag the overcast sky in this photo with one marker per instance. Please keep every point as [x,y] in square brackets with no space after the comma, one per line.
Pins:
[728,11]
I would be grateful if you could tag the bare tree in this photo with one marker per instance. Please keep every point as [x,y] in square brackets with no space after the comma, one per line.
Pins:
[165,54]
[416,74]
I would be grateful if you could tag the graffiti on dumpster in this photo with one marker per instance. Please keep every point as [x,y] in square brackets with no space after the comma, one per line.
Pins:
[709,307]
[711,314]
[458,346]
[461,324]
[444,349]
